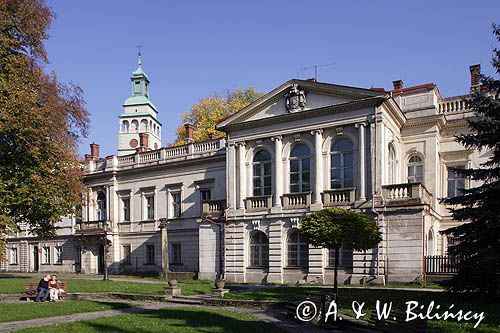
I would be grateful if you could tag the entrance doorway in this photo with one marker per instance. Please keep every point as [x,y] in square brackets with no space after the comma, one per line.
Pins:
[36,259]
[100,260]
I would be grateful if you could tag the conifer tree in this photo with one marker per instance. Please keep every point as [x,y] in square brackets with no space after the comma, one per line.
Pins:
[477,242]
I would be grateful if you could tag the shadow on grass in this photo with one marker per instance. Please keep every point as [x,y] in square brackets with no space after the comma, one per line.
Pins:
[172,320]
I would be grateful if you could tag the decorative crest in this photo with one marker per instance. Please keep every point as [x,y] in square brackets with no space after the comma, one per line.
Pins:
[295,99]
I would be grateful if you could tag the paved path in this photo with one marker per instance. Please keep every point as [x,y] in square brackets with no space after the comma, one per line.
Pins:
[272,317]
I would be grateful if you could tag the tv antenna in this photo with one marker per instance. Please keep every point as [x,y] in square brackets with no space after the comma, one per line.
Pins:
[316,68]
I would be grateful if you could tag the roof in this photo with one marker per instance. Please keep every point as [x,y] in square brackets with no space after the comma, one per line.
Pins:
[138,100]
[422,86]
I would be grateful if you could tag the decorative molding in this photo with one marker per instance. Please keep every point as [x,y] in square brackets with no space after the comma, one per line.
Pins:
[296,137]
[317,131]
[277,138]
[258,143]
[256,225]
[339,130]
[296,222]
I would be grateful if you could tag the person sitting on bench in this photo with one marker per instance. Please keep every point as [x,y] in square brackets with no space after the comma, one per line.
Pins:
[55,289]
[43,289]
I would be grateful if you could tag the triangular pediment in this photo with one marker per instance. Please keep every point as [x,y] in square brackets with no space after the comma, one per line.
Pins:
[296,96]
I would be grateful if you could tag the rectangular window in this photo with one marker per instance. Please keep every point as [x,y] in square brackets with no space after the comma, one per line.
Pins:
[150,207]
[58,250]
[46,255]
[456,181]
[13,256]
[150,254]
[126,254]
[126,209]
[176,257]
[176,204]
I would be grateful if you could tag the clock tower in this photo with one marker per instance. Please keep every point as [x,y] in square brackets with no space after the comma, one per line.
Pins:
[139,116]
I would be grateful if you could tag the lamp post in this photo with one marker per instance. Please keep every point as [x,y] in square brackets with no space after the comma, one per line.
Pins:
[164,247]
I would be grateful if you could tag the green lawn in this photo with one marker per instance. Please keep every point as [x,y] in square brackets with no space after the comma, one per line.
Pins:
[491,307]
[185,319]
[16,285]
[31,310]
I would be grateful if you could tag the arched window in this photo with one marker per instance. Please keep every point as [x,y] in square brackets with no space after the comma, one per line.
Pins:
[259,250]
[101,206]
[144,126]
[342,164]
[262,173]
[125,126]
[391,166]
[300,171]
[298,250]
[415,169]
[134,126]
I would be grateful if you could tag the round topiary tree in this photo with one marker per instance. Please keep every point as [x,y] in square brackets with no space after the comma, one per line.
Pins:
[333,228]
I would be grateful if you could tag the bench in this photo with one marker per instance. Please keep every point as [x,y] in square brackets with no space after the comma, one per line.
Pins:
[34,286]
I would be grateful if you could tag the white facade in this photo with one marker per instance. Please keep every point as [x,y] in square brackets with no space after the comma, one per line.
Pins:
[301,147]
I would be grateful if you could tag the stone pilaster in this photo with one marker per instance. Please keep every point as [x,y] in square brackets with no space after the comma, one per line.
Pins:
[317,203]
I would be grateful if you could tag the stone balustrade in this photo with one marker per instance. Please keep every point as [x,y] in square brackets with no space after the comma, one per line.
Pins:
[406,194]
[162,155]
[454,104]
[296,200]
[92,227]
[339,197]
[214,208]
[259,203]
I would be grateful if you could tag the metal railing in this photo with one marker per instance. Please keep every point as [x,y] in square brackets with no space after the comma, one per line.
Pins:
[441,265]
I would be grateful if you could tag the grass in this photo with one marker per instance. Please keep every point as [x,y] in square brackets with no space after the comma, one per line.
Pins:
[491,307]
[26,311]
[16,285]
[185,319]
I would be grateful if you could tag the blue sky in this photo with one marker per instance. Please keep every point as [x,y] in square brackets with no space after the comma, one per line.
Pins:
[194,49]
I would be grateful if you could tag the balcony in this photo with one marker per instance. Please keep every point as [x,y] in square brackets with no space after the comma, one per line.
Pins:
[339,197]
[296,200]
[406,194]
[259,203]
[92,227]
[214,208]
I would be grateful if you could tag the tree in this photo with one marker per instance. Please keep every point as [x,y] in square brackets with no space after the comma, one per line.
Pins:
[478,240]
[205,114]
[41,121]
[333,228]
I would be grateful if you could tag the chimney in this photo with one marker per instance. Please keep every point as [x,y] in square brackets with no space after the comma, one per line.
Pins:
[94,150]
[143,141]
[475,76]
[189,133]
[398,84]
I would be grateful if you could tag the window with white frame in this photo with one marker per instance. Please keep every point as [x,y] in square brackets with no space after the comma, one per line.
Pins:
[150,254]
[456,180]
[101,206]
[342,164]
[391,165]
[126,209]
[176,204]
[46,255]
[415,169]
[259,250]
[126,254]
[298,250]
[59,254]
[13,256]
[150,206]
[261,167]
[300,169]
[176,254]
[345,258]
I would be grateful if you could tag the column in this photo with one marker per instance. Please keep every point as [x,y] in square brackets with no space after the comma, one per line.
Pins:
[231,176]
[318,169]
[242,175]
[278,171]
[362,163]
[164,248]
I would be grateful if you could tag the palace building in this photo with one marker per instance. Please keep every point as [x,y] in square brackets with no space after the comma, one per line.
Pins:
[234,205]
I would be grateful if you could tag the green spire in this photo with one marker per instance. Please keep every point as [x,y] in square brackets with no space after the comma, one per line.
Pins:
[140,86]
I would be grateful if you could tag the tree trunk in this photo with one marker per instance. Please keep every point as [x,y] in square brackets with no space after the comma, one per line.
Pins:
[335,273]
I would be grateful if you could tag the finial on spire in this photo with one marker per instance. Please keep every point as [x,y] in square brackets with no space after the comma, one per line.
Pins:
[140,56]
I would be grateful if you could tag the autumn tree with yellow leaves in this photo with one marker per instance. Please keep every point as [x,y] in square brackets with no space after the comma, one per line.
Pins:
[205,114]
